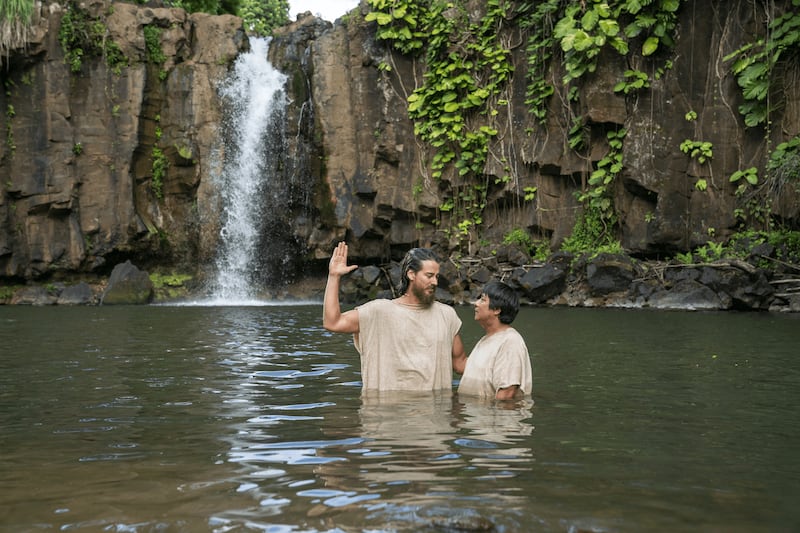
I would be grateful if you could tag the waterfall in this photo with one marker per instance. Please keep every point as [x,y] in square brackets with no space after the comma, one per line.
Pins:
[254,102]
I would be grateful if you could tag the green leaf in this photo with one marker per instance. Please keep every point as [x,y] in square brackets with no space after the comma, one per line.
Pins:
[634,6]
[609,27]
[581,41]
[650,46]
[670,5]
[620,45]
[381,18]
[589,20]
[597,177]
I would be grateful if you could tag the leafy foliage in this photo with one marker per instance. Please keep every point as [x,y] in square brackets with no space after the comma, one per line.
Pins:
[538,19]
[262,16]
[213,7]
[592,234]
[82,35]
[599,196]
[452,109]
[536,249]
[784,162]
[700,150]
[742,245]
[755,62]
[16,10]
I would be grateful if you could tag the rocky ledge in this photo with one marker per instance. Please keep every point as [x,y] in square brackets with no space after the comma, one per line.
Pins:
[605,280]
[759,283]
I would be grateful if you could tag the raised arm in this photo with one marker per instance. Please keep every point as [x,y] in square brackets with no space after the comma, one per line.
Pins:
[332,317]
[459,355]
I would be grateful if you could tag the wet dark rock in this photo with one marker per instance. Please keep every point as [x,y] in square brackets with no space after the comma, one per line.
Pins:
[676,275]
[128,285]
[608,273]
[370,274]
[481,275]
[540,284]
[35,295]
[79,294]
[689,295]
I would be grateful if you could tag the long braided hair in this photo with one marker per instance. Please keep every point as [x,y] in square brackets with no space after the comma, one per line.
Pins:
[413,261]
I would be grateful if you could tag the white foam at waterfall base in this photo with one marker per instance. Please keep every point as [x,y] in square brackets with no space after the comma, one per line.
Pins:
[251,96]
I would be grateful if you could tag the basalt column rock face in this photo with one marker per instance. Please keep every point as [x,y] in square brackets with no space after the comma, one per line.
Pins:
[112,159]
[363,157]
[371,171]
[115,160]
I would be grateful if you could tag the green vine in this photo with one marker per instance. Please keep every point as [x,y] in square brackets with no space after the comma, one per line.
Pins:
[635,80]
[538,19]
[160,166]
[755,64]
[581,31]
[463,80]
[160,163]
[599,196]
[452,109]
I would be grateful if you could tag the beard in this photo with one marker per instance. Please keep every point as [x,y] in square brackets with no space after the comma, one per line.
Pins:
[425,298]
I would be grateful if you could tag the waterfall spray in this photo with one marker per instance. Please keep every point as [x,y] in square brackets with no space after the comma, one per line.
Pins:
[254,100]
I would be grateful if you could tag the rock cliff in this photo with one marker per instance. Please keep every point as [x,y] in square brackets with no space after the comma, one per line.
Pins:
[107,161]
[375,174]
[115,160]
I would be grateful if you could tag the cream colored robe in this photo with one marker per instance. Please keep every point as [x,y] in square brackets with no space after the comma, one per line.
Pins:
[497,361]
[406,347]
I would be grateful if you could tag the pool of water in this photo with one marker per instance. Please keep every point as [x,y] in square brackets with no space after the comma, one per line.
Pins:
[225,419]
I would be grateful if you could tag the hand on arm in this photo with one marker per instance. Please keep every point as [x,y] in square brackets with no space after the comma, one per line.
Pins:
[332,317]
[459,355]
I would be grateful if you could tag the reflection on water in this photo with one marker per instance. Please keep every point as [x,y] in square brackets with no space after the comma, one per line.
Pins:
[251,419]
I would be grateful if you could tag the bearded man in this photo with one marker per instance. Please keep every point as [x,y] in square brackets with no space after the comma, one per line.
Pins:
[411,342]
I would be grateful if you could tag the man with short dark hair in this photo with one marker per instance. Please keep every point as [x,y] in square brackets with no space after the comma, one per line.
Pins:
[409,343]
[499,366]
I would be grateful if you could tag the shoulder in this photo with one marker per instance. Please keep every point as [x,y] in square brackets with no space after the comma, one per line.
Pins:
[511,341]
[512,334]
[447,311]
[444,308]
[374,304]
[375,307]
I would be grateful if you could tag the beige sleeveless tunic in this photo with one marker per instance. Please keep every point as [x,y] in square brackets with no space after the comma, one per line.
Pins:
[497,361]
[406,347]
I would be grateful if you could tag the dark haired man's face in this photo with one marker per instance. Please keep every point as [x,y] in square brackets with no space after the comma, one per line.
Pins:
[423,283]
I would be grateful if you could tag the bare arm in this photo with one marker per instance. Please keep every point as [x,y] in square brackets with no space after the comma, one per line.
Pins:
[459,355]
[332,317]
[508,393]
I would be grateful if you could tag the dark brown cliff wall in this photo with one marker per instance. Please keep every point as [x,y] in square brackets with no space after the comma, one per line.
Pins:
[77,167]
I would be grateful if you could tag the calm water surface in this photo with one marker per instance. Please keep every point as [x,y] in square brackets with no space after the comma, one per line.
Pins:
[142,419]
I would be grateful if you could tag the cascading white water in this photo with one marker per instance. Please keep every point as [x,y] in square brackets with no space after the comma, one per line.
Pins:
[254,100]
